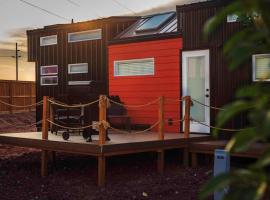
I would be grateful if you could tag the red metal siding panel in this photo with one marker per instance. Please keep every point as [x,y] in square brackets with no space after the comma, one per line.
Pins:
[142,89]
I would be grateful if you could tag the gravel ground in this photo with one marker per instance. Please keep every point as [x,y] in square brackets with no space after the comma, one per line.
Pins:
[73,177]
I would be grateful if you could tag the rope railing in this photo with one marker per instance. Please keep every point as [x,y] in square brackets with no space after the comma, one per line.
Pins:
[137,132]
[134,106]
[217,128]
[22,106]
[175,100]
[61,104]
[212,107]
[69,127]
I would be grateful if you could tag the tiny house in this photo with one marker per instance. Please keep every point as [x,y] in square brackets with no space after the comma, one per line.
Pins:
[71,59]
[144,65]
[205,73]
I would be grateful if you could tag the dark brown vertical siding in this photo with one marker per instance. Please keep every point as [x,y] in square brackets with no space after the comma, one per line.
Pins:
[92,52]
[223,82]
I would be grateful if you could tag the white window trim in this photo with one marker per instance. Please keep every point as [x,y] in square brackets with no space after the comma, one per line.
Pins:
[49,36]
[232,21]
[74,64]
[79,82]
[130,61]
[41,67]
[88,31]
[42,77]
[254,67]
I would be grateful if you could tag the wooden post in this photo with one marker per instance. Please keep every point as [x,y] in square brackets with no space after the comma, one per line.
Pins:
[194,161]
[10,96]
[160,162]
[44,153]
[186,157]
[161,118]
[187,117]
[101,170]
[102,117]
[45,115]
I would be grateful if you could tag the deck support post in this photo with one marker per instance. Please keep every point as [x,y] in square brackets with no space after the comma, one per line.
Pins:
[186,157]
[44,153]
[194,161]
[161,118]
[160,161]
[187,116]
[101,170]
[102,118]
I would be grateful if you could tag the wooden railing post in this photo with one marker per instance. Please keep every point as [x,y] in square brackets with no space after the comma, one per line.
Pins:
[187,116]
[102,118]
[44,153]
[45,115]
[161,118]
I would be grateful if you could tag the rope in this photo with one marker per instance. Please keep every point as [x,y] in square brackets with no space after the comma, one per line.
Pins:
[19,106]
[212,107]
[178,100]
[68,127]
[58,103]
[135,106]
[21,126]
[175,121]
[221,129]
[143,131]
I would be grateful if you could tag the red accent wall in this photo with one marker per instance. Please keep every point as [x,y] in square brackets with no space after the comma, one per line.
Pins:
[142,89]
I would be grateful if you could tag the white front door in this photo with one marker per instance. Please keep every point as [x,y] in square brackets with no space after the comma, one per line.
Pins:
[195,83]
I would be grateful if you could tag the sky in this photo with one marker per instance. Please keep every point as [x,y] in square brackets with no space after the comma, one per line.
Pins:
[17,16]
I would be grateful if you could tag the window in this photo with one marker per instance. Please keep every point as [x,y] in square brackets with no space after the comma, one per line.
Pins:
[79,82]
[49,70]
[261,67]
[48,40]
[85,35]
[154,22]
[49,80]
[138,67]
[78,68]
[232,18]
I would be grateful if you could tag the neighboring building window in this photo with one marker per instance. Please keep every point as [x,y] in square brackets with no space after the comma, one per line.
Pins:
[78,68]
[261,67]
[49,70]
[85,35]
[232,18]
[79,82]
[48,40]
[49,80]
[138,67]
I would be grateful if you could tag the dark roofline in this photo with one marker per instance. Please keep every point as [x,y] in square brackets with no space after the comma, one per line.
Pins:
[144,38]
[71,25]
[202,4]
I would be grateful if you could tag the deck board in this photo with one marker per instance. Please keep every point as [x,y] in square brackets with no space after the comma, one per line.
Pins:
[120,143]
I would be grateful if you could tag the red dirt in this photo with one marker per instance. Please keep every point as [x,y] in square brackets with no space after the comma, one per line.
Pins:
[73,177]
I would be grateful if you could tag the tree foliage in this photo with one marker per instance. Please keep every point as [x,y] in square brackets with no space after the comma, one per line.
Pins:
[253,100]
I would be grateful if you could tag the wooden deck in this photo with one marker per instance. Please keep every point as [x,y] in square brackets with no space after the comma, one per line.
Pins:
[209,147]
[120,144]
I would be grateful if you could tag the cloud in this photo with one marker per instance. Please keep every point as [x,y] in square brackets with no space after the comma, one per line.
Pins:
[170,6]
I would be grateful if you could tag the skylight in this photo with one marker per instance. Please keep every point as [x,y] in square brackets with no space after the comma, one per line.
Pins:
[155,22]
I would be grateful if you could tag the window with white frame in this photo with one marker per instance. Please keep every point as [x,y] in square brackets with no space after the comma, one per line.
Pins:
[136,67]
[261,67]
[85,35]
[232,18]
[78,68]
[48,40]
[49,80]
[49,70]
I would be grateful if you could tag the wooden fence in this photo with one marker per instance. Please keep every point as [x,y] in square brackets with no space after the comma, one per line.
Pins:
[18,93]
